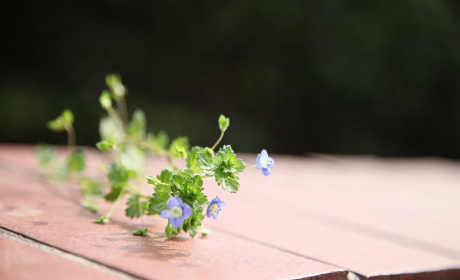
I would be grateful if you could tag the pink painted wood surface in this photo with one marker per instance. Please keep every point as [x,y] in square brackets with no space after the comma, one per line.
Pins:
[53,216]
[19,261]
[368,215]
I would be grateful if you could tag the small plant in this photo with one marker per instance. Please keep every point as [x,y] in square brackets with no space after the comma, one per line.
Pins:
[178,191]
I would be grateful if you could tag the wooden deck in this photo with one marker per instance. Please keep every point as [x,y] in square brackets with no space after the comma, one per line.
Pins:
[316,217]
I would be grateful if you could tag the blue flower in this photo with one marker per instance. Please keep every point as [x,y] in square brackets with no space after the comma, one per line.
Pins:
[177,212]
[265,163]
[215,207]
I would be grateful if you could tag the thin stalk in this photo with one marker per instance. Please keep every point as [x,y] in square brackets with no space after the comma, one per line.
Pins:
[218,140]
[121,102]
[71,138]
[138,192]
[152,146]
[120,196]
[115,116]
[255,165]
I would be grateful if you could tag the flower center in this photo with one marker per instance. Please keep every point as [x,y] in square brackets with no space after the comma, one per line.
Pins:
[177,211]
[215,208]
[263,162]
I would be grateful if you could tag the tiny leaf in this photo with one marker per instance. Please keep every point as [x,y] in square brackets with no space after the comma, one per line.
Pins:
[140,231]
[223,123]
[101,220]
[76,161]
[105,145]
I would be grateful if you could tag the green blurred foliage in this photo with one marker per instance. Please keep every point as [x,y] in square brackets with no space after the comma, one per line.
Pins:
[357,77]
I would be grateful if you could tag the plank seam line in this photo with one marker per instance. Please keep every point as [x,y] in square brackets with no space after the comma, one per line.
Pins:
[67,255]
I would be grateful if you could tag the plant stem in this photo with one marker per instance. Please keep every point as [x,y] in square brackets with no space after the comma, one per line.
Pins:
[255,165]
[205,176]
[120,196]
[71,138]
[121,102]
[151,146]
[138,192]
[218,140]
[116,117]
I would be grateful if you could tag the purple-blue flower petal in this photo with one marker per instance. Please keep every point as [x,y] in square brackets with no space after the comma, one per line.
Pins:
[215,200]
[266,171]
[166,214]
[186,211]
[208,211]
[221,205]
[214,215]
[176,222]
[270,163]
[264,154]
[174,202]
[259,164]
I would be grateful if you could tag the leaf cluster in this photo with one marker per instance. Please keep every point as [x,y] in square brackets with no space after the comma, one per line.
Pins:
[224,166]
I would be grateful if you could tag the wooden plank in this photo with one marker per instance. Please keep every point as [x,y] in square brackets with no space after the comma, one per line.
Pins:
[54,217]
[20,261]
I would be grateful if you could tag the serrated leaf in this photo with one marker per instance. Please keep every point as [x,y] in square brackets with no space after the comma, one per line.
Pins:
[179,146]
[101,220]
[135,207]
[190,190]
[114,194]
[206,160]
[76,161]
[138,124]
[223,123]
[117,175]
[105,145]
[159,201]
[192,162]
[224,166]
[140,231]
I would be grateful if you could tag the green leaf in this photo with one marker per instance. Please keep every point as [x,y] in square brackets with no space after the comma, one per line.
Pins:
[138,124]
[206,160]
[179,147]
[190,190]
[114,193]
[192,162]
[101,220]
[105,99]
[136,207]
[117,175]
[131,173]
[90,206]
[105,145]
[223,123]
[159,201]
[162,182]
[76,161]
[140,231]
[90,187]
[113,81]
[62,122]
[161,139]
[224,167]
[45,154]
[169,230]
[165,176]
[67,116]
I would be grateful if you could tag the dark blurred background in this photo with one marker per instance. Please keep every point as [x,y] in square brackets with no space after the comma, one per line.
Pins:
[347,77]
